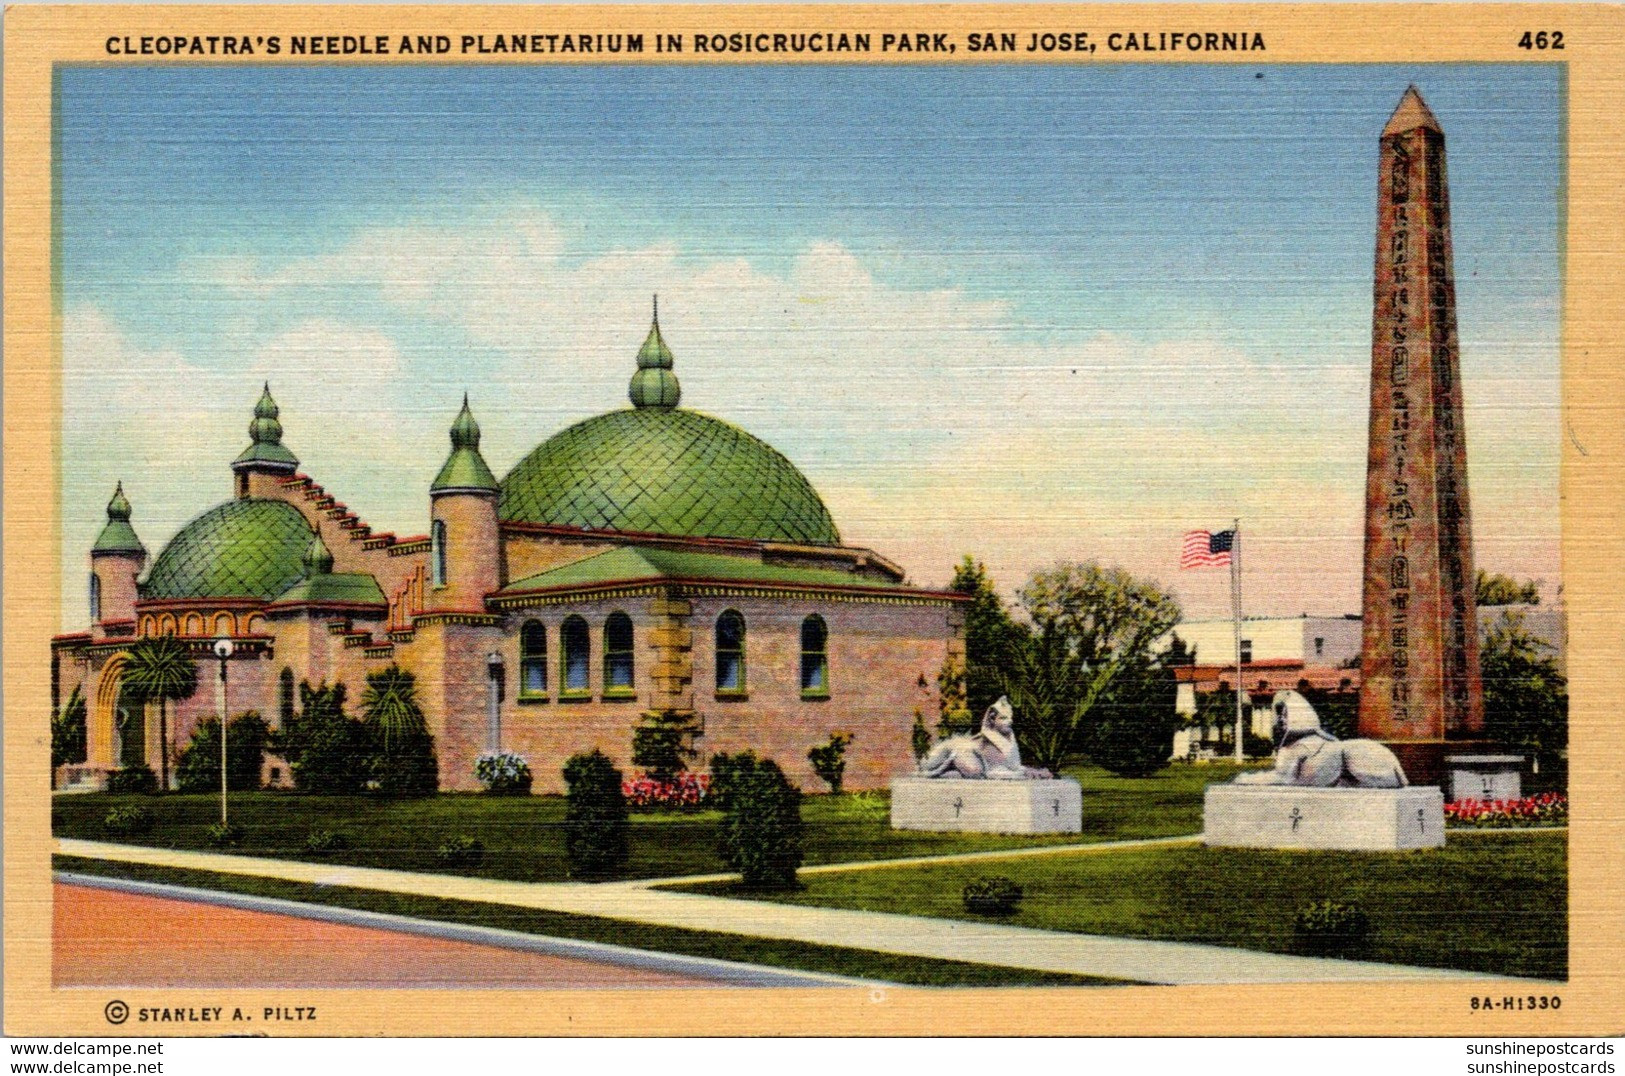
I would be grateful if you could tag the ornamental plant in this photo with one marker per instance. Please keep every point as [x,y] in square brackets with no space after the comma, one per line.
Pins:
[595,827]
[137,778]
[1330,928]
[323,842]
[503,774]
[1546,809]
[761,835]
[996,895]
[199,767]
[685,792]
[462,852]
[225,836]
[129,822]
[829,760]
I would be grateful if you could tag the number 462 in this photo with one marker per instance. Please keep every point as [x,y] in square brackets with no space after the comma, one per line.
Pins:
[1543,40]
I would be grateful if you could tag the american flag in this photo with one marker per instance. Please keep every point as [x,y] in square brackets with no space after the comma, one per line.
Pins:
[1203,549]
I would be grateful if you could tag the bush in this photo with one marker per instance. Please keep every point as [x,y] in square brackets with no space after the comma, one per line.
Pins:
[1546,809]
[1328,928]
[661,745]
[687,792]
[1134,729]
[324,841]
[997,895]
[462,852]
[725,770]
[137,778]
[129,821]
[829,760]
[595,826]
[404,762]
[761,834]
[227,835]
[506,774]
[328,752]
[408,766]
[199,768]
[920,738]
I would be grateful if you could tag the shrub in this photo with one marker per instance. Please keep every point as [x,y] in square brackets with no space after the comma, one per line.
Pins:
[1134,728]
[761,834]
[327,751]
[129,821]
[997,895]
[920,738]
[829,760]
[661,744]
[199,768]
[321,842]
[408,766]
[1328,928]
[1546,809]
[227,835]
[404,762]
[462,852]
[725,769]
[686,792]
[137,778]
[595,826]
[505,774]
[68,732]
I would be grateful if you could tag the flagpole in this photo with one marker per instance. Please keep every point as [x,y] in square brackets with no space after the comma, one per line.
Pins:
[1235,612]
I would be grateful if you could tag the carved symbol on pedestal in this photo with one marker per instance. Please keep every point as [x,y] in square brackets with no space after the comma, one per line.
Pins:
[1422,819]
[1296,816]
[959,804]
[1489,788]
[1057,806]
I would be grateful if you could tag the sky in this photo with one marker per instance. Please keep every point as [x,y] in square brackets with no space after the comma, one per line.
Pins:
[1032,314]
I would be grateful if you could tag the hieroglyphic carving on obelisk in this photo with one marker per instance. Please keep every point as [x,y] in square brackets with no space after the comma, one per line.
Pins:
[1419,659]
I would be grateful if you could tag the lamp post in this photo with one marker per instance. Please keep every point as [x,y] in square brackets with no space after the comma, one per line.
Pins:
[222,650]
[493,729]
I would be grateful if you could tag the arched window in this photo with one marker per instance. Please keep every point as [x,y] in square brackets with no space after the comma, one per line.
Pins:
[166,625]
[618,655]
[533,660]
[284,700]
[575,657]
[730,653]
[814,658]
[437,551]
[194,624]
[223,625]
[95,597]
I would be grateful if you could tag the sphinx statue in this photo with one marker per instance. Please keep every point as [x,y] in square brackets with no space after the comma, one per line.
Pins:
[1308,756]
[989,754]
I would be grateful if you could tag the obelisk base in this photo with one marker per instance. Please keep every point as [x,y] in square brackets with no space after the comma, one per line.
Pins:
[1422,760]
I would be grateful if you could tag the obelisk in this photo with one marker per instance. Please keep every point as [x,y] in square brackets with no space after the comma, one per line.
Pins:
[1419,656]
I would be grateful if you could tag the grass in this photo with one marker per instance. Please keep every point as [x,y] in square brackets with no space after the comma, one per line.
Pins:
[524,836]
[860,963]
[1488,903]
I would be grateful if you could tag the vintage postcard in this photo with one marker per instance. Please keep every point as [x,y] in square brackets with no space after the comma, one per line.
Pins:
[589,514]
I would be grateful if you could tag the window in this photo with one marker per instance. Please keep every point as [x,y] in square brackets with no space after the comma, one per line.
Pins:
[575,647]
[1320,646]
[95,597]
[814,658]
[437,551]
[284,700]
[533,660]
[730,653]
[618,655]
[1246,651]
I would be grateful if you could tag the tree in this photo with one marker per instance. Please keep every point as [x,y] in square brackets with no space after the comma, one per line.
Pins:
[68,733]
[991,639]
[1497,589]
[1089,624]
[662,745]
[1526,696]
[161,670]
[1132,734]
[761,834]
[199,767]
[327,751]
[595,825]
[405,764]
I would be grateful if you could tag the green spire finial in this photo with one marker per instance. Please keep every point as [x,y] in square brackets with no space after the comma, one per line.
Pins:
[465,470]
[266,433]
[117,535]
[318,558]
[655,385]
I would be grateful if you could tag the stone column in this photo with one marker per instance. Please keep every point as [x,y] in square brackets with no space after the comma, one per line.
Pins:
[1419,656]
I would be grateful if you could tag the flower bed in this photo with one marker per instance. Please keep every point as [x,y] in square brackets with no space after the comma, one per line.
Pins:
[687,791]
[1546,809]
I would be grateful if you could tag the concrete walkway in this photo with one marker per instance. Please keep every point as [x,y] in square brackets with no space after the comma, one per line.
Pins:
[1131,959]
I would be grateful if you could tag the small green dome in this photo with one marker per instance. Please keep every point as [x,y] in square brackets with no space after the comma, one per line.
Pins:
[666,472]
[247,548]
[117,535]
[265,435]
[465,470]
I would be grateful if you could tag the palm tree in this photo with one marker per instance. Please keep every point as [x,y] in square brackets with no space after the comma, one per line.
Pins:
[390,703]
[159,670]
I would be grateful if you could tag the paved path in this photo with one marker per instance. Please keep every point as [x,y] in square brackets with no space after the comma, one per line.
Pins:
[1132,959]
[119,932]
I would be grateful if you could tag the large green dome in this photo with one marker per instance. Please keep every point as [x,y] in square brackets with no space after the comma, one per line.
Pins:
[246,548]
[658,469]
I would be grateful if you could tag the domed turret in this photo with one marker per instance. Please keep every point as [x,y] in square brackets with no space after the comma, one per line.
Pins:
[241,549]
[658,469]
[465,469]
[465,549]
[116,561]
[266,460]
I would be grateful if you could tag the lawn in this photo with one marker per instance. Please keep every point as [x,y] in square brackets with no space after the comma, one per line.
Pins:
[860,963]
[524,836]
[1494,903]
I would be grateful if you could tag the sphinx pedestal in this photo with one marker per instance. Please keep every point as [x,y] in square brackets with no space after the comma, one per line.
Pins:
[950,805]
[1350,819]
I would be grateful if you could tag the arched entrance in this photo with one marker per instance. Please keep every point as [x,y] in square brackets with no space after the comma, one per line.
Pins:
[106,744]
